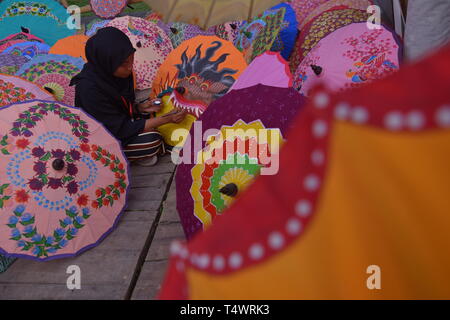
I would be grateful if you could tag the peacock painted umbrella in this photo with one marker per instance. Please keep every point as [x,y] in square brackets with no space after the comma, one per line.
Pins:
[28,49]
[108,9]
[53,72]
[152,47]
[361,197]
[229,30]
[64,183]
[46,19]
[269,69]
[249,126]
[14,89]
[349,57]
[285,41]
[324,24]
[11,63]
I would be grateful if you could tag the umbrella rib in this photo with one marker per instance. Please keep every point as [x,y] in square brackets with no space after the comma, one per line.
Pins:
[250,12]
[171,10]
[209,14]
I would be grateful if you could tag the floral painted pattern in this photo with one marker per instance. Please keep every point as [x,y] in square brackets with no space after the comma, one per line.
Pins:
[31,8]
[10,93]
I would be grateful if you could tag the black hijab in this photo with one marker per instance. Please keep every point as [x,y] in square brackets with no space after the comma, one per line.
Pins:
[105,52]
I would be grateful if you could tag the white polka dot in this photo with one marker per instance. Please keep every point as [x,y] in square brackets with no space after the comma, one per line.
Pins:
[317,157]
[415,120]
[175,248]
[194,258]
[203,261]
[276,240]
[443,116]
[320,128]
[180,266]
[256,251]
[342,111]
[184,253]
[218,263]
[394,121]
[321,100]
[235,260]
[293,226]
[311,182]
[303,208]
[360,115]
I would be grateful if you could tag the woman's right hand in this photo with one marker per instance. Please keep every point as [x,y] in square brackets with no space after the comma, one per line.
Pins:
[177,117]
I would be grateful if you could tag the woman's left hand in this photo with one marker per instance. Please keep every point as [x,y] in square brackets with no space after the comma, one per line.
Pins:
[150,106]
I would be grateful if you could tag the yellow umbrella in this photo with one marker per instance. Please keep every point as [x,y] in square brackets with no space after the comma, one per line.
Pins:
[207,13]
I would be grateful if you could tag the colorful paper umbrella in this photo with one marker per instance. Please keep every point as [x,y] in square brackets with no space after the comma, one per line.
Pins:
[154,17]
[95,25]
[259,34]
[28,49]
[361,197]
[349,57]
[200,70]
[288,33]
[180,31]
[16,39]
[209,13]
[251,125]
[108,9]
[229,30]
[152,45]
[11,63]
[73,46]
[14,89]
[64,184]
[53,72]
[269,69]
[46,19]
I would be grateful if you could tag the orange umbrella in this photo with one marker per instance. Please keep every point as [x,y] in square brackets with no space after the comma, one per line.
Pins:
[72,46]
[201,70]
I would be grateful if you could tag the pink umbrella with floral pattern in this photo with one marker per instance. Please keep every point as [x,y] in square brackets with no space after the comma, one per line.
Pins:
[152,47]
[64,181]
[348,58]
[14,89]
[108,9]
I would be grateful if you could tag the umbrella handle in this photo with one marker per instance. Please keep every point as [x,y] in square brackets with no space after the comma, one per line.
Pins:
[230,190]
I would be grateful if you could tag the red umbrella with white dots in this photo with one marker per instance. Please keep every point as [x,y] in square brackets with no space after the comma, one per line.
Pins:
[360,203]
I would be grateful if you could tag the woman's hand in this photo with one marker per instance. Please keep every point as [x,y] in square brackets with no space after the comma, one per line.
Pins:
[154,105]
[177,116]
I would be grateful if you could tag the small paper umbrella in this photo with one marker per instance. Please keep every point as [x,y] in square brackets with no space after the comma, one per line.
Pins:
[269,69]
[94,25]
[349,57]
[108,9]
[28,49]
[73,46]
[53,72]
[64,183]
[288,33]
[363,182]
[11,63]
[46,19]
[229,30]
[16,39]
[321,26]
[152,47]
[14,89]
[249,126]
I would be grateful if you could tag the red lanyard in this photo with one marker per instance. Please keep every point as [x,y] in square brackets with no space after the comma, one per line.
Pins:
[129,106]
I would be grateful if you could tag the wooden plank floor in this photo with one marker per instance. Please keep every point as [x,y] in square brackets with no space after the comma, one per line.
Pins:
[129,263]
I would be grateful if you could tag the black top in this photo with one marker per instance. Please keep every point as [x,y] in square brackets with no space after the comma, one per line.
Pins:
[102,95]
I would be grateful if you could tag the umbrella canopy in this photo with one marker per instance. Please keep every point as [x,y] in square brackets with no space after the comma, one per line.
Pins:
[251,124]
[349,57]
[65,181]
[94,25]
[14,89]
[180,31]
[10,63]
[229,30]
[269,69]
[16,39]
[320,27]
[28,49]
[201,70]
[209,13]
[152,47]
[154,17]
[46,19]
[363,181]
[108,9]
[288,33]
[73,46]
[53,72]
[260,33]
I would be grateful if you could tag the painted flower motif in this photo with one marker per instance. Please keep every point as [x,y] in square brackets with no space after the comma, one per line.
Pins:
[15,233]
[22,196]
[85,211]
[22,143]
[40,167]
[28,229]
[54,183]
[36,184]
[58,153]
[72,187]
[75,155]
[83,200]
[85,147]
[60,232]
[72,169]
[67,221]
[26,217]
[13,220]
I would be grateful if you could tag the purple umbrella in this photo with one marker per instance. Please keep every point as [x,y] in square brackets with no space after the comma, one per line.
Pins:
[238,153]
[11,63]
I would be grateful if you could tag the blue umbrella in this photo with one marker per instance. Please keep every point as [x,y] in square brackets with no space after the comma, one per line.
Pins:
[28,49]
[286,40]
[46,19]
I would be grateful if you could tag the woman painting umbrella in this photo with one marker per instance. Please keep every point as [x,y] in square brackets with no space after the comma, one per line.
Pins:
[104,89]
